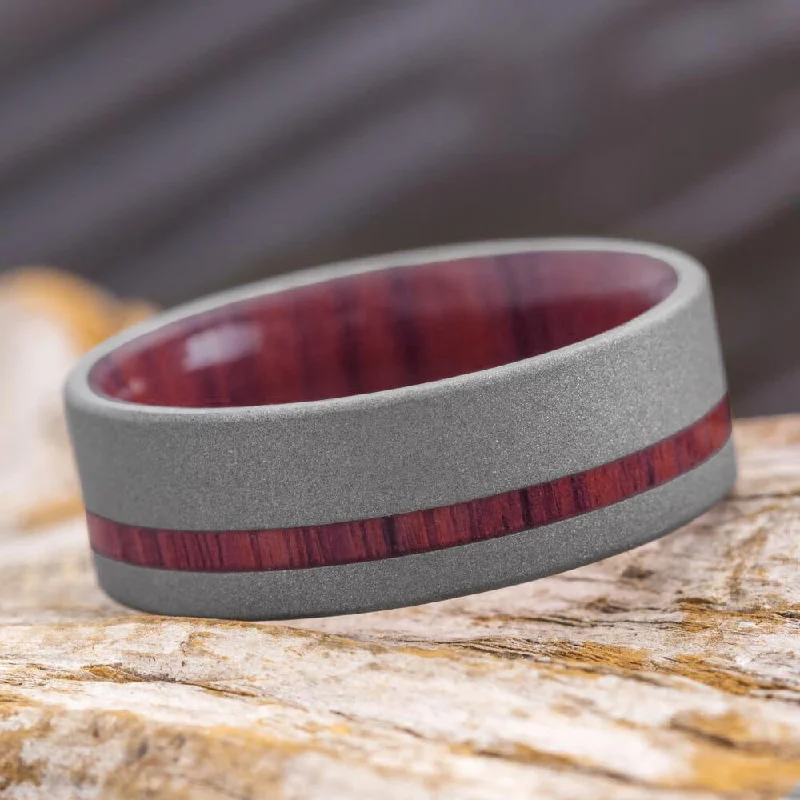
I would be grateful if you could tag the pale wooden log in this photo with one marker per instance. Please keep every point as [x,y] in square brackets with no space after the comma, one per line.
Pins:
[668,672]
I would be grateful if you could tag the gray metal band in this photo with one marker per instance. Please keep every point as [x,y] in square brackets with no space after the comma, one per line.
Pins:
[436,575]
[406,449]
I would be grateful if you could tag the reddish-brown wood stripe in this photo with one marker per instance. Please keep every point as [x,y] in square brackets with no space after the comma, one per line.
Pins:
[417,531]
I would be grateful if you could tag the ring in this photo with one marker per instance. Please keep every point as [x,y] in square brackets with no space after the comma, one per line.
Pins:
[402,429]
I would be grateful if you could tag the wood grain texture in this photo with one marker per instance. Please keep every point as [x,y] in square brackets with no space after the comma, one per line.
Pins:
[420,531]
[383,330]
[667,673]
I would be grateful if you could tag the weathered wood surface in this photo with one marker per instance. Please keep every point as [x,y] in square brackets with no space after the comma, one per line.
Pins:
[668,672]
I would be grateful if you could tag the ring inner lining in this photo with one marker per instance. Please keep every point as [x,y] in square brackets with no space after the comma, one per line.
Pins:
[382,330]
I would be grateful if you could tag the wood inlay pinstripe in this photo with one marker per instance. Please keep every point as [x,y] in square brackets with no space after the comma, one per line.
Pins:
[418,531]
[382,330]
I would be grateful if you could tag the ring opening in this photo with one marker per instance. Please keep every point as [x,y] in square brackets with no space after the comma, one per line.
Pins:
[385,329]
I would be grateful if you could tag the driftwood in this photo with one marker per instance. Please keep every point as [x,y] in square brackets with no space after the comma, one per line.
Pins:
[668,672]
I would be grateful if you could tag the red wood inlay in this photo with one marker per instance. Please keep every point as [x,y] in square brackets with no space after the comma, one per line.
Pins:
[382,330]
[417,531]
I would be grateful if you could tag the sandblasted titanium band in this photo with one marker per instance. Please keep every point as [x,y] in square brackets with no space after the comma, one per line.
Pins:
[437,472]
[425,577]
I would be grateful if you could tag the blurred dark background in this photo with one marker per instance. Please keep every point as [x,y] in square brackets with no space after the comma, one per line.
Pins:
[167,148]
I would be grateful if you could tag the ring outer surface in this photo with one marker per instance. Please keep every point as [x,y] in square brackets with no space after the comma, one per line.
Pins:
[406,449]
[425,577]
